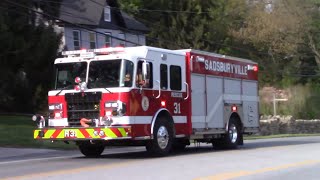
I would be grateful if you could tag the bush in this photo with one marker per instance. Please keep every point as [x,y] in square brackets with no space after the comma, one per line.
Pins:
[303,101]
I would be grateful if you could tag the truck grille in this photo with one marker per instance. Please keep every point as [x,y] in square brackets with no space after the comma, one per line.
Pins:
[82,105]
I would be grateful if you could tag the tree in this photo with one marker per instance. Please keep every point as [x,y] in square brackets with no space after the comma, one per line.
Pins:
[286,30]
[188,24]
[27,51]
[313,30]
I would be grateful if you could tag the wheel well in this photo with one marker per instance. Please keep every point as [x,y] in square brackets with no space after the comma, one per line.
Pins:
[237,118]
[167,115]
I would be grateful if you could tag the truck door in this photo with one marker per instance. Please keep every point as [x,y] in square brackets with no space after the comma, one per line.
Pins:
[169,90]
[198,97]
[170,78]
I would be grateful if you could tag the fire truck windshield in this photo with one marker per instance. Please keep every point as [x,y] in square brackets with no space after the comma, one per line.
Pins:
[67,72]
[110,73]
[102,74]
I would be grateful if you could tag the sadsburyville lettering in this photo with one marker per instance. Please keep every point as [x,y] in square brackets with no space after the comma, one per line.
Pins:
[218,66]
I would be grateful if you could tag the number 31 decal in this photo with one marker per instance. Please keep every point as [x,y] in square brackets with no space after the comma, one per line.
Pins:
[176,108]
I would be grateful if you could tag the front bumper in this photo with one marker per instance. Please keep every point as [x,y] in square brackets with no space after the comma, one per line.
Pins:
[91,133]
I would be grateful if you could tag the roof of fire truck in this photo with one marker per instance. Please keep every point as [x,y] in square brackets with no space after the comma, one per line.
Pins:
[130,53]
[194,51]
[111,53]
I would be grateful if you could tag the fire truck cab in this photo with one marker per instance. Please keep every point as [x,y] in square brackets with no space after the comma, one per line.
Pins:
[153,97]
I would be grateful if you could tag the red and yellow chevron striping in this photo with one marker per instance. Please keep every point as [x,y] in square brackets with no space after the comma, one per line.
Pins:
[83,133]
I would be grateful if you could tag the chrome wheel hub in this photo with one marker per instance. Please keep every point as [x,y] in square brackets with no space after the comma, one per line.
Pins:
[233,133]
[162,137]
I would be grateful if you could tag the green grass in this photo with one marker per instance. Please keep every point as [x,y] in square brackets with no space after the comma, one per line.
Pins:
[17,131]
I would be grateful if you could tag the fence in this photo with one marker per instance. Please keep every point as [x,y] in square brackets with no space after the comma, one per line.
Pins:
[288,125]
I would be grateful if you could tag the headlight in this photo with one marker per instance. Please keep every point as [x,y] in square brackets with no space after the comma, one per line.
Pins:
[56,111]
[111,104]
[39,120]
[116,108]
[55,107]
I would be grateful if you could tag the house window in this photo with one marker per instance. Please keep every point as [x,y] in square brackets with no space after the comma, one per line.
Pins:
[92,39]
[108,40]
[122,36]
[107,14]
[76,39]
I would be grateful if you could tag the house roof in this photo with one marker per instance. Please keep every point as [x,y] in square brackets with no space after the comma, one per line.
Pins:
[83,12]
[91,13]
[133,24]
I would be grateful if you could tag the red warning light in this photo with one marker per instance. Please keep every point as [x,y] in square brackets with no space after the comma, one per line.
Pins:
[77,88]
[234,108]
[255,68]
[163,103]
[77,80]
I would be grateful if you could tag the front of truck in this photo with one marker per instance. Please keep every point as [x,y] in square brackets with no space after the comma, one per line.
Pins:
[90,91]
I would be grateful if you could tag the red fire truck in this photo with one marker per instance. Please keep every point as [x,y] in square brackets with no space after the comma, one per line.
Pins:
[152,97]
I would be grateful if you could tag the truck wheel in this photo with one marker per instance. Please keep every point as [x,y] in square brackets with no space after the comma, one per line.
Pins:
[232,138]
[162,140]
[91,150]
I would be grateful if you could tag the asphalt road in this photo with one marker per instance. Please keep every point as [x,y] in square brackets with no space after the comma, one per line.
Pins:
[284,158]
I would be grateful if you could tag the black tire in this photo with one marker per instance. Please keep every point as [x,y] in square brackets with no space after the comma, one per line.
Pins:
[232,138]
[161,143]
[91,150]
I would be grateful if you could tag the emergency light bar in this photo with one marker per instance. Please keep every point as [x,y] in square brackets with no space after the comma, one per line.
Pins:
[84,52]
[109,50]
[68,53]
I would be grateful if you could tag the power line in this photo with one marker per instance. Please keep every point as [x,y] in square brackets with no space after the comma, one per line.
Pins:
[79,26]
[167,41]
[217,43]
[142,9]
[25,13]
[155,39]
[159,10]
[71,15]
[205,40]
[279,72]
[210,42]
[83,18]
[122,28]
[113,25]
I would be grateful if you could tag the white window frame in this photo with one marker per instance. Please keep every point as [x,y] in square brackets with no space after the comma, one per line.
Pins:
[105,39]
[122,43]
[74,39]
[107,13]
[94,41]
